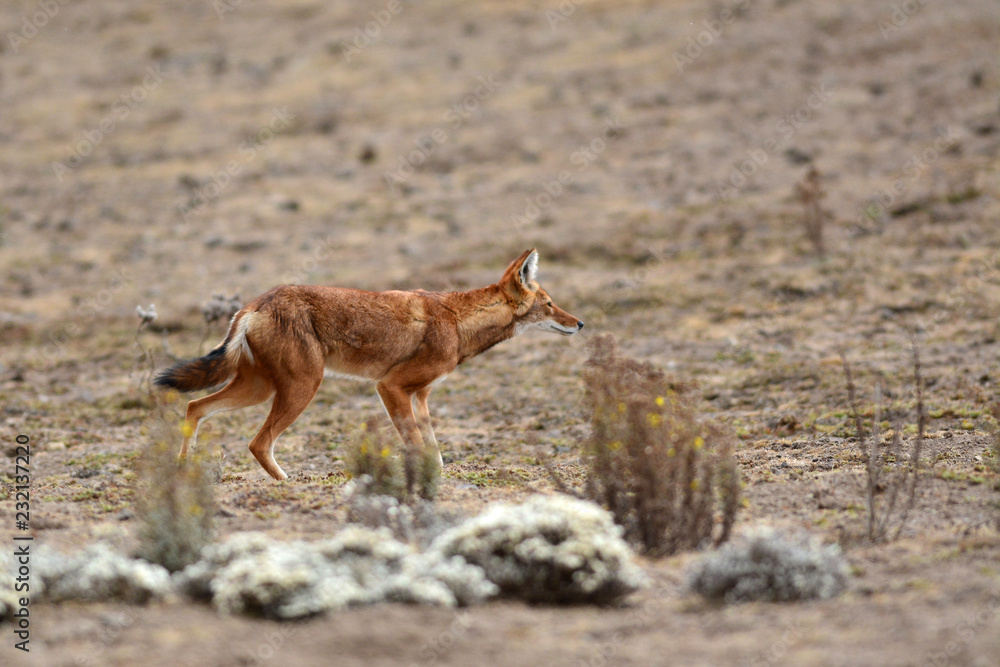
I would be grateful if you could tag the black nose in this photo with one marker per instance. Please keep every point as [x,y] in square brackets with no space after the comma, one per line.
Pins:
[579,325]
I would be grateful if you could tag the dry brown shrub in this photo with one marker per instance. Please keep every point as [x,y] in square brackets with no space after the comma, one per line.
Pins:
[175,498]
[810,194]
[668,477]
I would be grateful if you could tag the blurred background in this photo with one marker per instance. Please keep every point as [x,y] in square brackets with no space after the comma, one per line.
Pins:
[165,151]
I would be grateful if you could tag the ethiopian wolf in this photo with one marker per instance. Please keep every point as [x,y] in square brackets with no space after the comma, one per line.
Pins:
[281,342]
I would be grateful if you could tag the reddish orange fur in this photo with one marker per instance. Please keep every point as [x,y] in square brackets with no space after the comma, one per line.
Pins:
[280,343]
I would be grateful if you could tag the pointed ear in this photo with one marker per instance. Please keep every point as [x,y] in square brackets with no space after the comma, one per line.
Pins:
[522,271]
[529,268]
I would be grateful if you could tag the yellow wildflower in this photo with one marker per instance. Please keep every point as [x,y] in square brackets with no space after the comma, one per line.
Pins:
[660,401]
[699,442]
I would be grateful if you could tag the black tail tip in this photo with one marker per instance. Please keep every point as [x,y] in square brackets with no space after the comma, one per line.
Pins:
[165,380]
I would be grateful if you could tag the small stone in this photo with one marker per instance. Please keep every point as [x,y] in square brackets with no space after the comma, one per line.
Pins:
[55,446]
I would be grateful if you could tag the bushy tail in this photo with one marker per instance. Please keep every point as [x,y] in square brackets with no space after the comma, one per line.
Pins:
[212,369]
[215,367]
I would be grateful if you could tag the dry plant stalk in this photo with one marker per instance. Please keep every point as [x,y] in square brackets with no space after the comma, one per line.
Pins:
[995,440]
[669,478]
[896,484]
[994,453]
[810,193]
[146,317]
[219,308]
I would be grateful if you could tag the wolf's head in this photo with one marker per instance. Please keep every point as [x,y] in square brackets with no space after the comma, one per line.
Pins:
[532,305]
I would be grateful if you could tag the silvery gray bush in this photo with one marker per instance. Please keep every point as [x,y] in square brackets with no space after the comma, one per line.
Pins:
[98,572]
[8,596]
[250,573]
[548,549]
[766,565]
[417,522]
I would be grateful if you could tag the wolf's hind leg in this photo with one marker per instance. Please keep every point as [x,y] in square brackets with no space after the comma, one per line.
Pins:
[289,401]
[242,391]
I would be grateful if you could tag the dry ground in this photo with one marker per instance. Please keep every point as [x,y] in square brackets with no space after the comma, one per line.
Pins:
[718,283]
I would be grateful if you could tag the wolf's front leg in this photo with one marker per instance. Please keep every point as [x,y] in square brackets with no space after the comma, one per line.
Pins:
[398,405]
[424,423]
